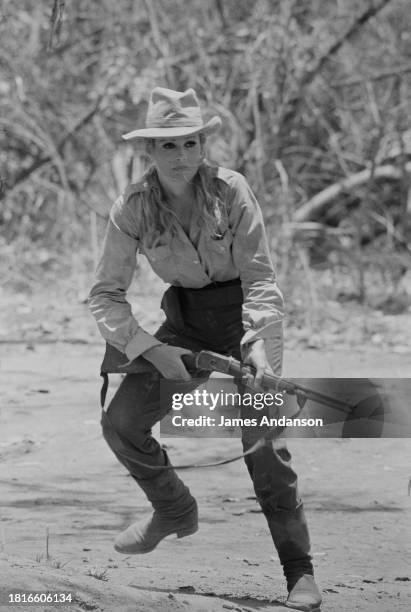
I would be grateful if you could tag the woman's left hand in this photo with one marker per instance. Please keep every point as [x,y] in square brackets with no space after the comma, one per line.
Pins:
[256,356]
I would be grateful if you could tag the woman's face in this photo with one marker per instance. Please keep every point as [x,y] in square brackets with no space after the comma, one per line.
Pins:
[177,159]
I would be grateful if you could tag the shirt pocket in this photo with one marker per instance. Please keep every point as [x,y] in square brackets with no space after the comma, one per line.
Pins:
[162,261]
[158,253]
[221,245]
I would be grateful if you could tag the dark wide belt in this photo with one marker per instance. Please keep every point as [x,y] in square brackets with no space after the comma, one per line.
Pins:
[175,301]
[214,295]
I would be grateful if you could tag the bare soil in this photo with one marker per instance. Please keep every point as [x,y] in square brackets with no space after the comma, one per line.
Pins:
[59,478]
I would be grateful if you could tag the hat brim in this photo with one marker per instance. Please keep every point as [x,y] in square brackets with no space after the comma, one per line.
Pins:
[174,132]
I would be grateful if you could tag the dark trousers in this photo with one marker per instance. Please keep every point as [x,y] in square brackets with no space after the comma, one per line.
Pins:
[136,407]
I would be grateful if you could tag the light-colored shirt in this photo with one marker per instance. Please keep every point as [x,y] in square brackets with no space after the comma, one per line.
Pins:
[193,260]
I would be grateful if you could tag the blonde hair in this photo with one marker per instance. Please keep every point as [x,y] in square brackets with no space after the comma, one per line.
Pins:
[158,216]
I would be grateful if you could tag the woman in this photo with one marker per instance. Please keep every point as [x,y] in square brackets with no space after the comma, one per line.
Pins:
[202,231]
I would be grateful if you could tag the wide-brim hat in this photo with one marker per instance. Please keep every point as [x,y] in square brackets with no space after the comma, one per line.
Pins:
[174,113]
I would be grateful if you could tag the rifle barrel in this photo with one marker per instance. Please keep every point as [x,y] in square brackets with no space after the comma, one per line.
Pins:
[233,367]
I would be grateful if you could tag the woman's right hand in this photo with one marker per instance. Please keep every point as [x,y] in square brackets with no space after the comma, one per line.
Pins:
[167,360]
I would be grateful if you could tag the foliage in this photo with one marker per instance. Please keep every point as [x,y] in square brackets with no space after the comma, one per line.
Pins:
[310,94]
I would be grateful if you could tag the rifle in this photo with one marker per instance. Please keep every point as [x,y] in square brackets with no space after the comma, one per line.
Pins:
[370,408]
[214,362]
[365,409]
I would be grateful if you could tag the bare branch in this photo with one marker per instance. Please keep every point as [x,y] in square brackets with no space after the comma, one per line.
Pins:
[41,161]
[55,22]
[383,74]
[317,203]
[309,76]
[158,39]
[361,20]
[221,11]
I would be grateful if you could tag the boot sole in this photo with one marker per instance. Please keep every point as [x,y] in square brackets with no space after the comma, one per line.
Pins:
[304,608]
[180,533]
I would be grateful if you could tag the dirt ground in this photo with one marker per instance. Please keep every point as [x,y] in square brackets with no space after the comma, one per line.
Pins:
[65,497]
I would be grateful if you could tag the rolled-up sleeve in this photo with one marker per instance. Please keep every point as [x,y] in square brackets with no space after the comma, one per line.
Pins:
[107,298]
[263,305]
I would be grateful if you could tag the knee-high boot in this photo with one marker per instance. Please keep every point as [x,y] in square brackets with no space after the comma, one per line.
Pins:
[175,509]
[291,539]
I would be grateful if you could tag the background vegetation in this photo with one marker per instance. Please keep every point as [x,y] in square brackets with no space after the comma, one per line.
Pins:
[315,99]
